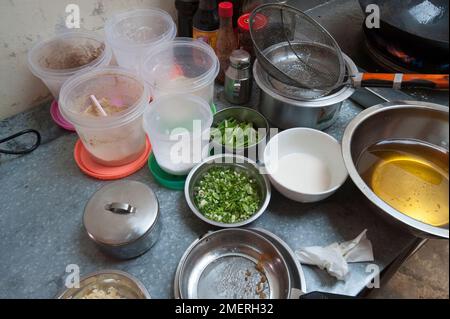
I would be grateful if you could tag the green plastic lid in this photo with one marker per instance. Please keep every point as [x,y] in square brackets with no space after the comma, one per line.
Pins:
[166,180]
[213,108]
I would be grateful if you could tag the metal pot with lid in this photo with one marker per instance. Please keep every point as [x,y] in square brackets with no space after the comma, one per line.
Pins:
[123,219]
[280,105]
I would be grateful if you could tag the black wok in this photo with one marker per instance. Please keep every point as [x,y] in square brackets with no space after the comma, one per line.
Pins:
[422,24]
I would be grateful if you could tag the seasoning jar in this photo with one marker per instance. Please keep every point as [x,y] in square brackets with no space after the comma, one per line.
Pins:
[245,40]
[238,78]
[123,219]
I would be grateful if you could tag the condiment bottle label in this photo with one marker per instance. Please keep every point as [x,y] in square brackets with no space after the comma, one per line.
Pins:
[209,37]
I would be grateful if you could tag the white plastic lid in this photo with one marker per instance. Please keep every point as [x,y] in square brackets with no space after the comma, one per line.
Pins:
[181,66]
[140,28]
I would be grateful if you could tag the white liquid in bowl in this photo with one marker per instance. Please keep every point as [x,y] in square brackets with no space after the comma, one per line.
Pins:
[303,173]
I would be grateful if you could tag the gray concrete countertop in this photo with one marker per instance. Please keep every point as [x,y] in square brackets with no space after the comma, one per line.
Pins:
[43,196]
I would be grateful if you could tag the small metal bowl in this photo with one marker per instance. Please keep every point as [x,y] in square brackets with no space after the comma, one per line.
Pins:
[127,286]
[228,160]
[243,114]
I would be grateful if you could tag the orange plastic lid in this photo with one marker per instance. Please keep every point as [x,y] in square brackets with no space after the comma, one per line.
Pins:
[91,168]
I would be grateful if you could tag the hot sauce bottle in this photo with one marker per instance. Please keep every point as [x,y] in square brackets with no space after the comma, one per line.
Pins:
[226,39]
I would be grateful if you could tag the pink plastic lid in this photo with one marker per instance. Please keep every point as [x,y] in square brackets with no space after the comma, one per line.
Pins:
[58,118]
[91,168]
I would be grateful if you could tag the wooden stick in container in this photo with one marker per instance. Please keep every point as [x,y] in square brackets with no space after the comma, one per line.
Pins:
[98,106]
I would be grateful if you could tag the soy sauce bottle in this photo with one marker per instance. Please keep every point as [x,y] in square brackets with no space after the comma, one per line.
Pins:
[186,11]
[206,22]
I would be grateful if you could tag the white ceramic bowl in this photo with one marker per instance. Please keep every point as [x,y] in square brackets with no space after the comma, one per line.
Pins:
[322,149]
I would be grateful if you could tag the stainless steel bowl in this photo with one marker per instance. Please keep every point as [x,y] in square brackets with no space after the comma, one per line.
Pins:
[399,120]
[296,274]
[237,162]
[244,114]
[233,264]
[126,285]
[282,110]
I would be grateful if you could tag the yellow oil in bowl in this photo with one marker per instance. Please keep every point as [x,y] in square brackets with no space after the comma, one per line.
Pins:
[410,176]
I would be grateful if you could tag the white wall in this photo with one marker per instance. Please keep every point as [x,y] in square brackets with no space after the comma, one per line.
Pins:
[23,22]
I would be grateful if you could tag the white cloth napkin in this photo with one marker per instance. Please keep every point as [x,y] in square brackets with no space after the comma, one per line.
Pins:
[335,258]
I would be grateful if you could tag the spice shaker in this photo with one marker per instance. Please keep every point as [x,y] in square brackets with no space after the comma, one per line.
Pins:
[123,219]
[238,79]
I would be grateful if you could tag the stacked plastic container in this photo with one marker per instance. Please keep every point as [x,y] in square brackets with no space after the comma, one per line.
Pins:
[118,138]
[179,72]
[133,34]
[183,66]
[55,60]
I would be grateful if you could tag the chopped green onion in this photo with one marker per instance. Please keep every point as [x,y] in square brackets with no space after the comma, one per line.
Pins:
[227,195]
[236,134]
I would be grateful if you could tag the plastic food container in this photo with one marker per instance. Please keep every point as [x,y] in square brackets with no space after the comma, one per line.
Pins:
[133,34]
[179,130]
[55,60]
[183,66]
[116,139]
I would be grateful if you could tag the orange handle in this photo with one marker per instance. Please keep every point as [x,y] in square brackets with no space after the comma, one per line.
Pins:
[404,81]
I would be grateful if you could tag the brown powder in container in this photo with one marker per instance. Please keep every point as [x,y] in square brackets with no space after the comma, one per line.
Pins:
[68,56]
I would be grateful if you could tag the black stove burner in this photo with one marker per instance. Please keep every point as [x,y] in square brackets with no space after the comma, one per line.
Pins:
[400,57]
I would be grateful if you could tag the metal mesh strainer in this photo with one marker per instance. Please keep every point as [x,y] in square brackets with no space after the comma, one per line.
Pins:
[296,50]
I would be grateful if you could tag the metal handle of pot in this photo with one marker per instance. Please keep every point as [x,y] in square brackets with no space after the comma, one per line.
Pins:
[324,296]
[121,209]
[401,81]
[299,294]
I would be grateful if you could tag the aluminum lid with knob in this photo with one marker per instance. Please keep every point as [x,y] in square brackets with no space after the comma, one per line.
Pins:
[123,219]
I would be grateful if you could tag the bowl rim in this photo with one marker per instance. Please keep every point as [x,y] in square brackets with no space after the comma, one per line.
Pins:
[331,190]
[364,188]
[139,285]
[208,161]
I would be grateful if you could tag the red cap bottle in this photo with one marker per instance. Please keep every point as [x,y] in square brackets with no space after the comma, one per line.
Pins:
[226,9]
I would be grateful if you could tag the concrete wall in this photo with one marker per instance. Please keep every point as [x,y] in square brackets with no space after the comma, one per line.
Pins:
[23,22]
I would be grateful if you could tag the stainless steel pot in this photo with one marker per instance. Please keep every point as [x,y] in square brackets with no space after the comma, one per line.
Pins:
[123,219]
[287,112]
[396,120]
